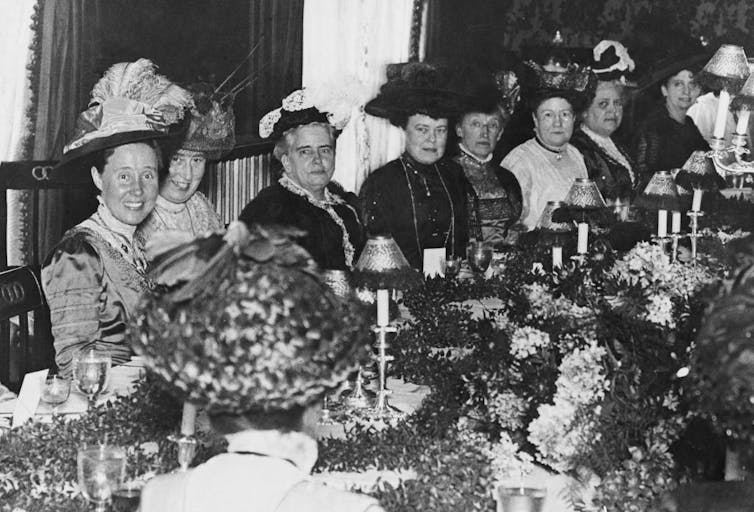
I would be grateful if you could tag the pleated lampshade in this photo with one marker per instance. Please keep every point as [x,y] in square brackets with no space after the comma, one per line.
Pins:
[584,194]
[660,194]
[699,172]
[727,69]
[547,223]
[382,265]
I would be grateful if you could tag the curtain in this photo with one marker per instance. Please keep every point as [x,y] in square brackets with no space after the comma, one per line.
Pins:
[357,38]
[65,67]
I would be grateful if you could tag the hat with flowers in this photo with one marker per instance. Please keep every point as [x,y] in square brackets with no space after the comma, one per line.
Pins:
[212,124]
[249,330]
[130,103]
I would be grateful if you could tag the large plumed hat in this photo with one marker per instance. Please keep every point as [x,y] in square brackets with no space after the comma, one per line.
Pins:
[212,125]
[415,88]
[330,103]
[254,331]
[573,83]
[130,103]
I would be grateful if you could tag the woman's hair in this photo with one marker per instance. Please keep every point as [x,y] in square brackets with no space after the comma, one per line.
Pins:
[99,158]
[616,83]
[283,145]
[283,421]
[677,72]
[539,97]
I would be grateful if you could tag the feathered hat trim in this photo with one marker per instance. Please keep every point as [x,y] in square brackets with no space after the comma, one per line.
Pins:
[212,125]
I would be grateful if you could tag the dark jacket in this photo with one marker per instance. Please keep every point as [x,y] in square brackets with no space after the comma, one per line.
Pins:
[612,178]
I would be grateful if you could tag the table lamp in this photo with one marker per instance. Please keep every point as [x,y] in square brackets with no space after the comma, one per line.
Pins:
[556,232]
[382,267]
[661,195]
[582,198]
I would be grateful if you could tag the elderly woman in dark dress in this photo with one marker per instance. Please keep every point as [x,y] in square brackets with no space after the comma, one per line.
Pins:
[305,197]
[419,198]
[493,194]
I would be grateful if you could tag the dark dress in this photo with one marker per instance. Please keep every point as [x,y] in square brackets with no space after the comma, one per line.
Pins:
[413,202]
[493,198]
[324,237]
[611,176]
[662,143]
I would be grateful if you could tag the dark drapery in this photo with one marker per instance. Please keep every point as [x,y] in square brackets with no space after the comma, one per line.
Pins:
[279,25]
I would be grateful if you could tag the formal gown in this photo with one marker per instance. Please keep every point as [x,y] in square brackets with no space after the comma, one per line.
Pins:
[195,217]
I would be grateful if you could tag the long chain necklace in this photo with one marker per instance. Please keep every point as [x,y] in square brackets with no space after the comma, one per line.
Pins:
[326,205]
[451,226]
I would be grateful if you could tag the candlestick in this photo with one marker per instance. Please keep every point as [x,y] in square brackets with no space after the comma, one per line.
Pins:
[383,308]
[662,223]
[722,114]
[557,257]
[676,223]
[583,239]
[742,127]
[696,202]
[188,421]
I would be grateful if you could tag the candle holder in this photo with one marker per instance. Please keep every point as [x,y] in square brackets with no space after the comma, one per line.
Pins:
[382,407]
[359,397]
[185,450]
[674,247]
[694,235]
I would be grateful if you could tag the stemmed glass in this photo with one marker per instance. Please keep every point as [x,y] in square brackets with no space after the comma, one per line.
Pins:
[101,470]
[55,391]
[480,256]
[451,266]
[91,371]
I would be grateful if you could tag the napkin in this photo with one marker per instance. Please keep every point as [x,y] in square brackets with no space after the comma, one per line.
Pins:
[28,397]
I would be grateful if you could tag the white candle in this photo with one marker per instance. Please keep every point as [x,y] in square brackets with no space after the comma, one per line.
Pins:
[722,114]
[383,308]
[696,202]
[676,223]
[583,239]
[557,257]
[742,127]
[662,223]
[188,421]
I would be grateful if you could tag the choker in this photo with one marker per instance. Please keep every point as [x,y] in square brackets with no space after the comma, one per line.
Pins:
[558,152]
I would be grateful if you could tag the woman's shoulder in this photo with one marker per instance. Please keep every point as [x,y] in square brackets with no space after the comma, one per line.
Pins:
[387,171]
[76,241]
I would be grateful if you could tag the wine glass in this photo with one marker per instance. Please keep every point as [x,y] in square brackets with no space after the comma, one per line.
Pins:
[101,470]
[91,371]
[451,266]
[55,391]
[480,256]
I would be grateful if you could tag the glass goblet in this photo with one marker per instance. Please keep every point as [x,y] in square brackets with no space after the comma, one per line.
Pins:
[101,470]
[55,391]
[480,256]
[451,266]
[91,371]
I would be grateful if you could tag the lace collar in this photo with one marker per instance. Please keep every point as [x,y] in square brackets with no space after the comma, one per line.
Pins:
[468,154]
[297,189]
[296,447]
[116,233]
[170,206]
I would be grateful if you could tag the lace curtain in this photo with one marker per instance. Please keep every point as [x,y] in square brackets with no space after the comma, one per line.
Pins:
[357,38]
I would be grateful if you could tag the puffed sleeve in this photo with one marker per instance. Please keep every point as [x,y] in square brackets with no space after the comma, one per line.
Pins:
[72,283]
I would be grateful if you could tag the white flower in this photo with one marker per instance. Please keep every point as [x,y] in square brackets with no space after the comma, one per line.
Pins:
[526,341]
[660,310]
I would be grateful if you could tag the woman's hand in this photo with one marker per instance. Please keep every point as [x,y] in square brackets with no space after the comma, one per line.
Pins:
[237,234]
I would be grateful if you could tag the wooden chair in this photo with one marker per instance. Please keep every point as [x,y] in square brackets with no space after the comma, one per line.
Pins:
[22,349]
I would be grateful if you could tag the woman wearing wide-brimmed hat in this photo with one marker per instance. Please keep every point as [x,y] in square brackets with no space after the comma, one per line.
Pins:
[257,340]
[418,198]
[95,276]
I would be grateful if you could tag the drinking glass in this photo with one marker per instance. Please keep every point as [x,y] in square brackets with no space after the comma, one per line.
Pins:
[91,371]
[451,266]
[101,470]
[480,256]
[55,391]
[519,499]
[126,498]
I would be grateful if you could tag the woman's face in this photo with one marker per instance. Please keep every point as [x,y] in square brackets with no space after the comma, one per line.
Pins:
[426,138]
[681,91]
[184,175]
[479,132]
[553,122]
[605,113]
[129,182]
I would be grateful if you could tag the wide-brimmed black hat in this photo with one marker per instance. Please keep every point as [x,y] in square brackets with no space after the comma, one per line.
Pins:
[130,103]
[415,88]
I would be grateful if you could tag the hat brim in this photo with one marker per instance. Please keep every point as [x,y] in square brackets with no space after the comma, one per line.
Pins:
[401,103]
[71,160]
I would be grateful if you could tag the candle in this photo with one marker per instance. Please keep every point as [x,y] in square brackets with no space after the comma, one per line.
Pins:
[722,114]
[696,202]
[383,308]
[742,127]
[662,223]
[676,222]
[583,239]
[557,257]
[188,421]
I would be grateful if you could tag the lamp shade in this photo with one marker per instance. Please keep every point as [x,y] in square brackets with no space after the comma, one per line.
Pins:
[552,230]
[584,194]
[699,172]
[660,194]
[745,96]
[727,69]
[382,265]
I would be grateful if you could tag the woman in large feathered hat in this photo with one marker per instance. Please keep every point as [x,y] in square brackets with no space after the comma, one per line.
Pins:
[95,276]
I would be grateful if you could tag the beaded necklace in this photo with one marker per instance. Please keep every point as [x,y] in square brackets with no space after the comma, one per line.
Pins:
[451,226]
[327,206]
